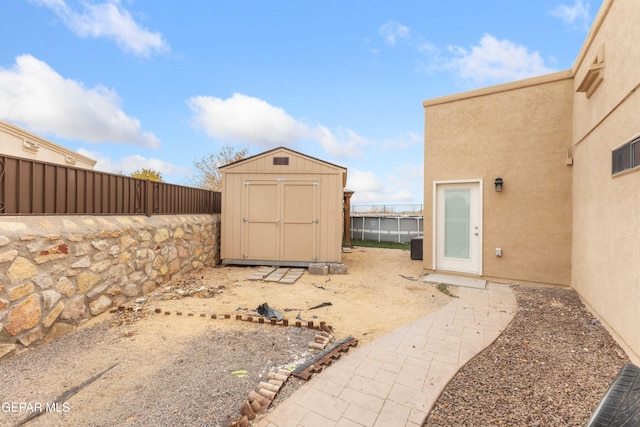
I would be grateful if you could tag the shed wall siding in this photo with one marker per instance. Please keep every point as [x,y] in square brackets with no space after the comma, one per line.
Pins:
[299,169]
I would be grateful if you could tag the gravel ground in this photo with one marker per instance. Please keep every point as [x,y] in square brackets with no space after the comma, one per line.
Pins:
[550,367]
[177,381]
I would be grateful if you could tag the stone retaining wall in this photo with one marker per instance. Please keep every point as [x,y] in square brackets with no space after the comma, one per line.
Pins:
[57,272]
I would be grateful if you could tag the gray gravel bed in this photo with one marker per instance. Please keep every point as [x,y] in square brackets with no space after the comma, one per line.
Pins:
[184,382]
[550,367]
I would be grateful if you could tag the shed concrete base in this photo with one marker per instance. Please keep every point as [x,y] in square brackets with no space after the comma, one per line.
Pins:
[267,262]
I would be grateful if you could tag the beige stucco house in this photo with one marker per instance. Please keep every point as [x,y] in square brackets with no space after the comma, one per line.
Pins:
[565,150]
[17,142]
[282,207]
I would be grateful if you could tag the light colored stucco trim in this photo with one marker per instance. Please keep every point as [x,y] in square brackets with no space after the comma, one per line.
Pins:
[29,137]
[593,31]
[505,87]
[602,120]
[434,216]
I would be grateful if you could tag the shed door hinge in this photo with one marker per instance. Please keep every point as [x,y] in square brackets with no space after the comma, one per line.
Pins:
[315,221]
[245,219]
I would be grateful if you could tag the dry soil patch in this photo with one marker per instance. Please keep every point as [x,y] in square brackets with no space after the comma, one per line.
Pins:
[176,369]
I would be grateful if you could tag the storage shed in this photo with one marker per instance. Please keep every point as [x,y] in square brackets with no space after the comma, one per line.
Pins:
[282,207]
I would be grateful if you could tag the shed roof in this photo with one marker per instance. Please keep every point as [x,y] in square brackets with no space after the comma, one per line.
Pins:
[257,163]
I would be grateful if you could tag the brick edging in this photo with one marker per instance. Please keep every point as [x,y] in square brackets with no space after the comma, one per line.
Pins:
[259,400]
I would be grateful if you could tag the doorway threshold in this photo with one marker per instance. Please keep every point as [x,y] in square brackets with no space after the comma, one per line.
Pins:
[466,282]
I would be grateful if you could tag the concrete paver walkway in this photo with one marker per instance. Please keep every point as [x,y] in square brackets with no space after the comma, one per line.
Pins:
[396,379]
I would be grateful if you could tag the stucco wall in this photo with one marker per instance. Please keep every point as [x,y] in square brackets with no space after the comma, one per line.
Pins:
[606,209]
[57,272]
[520,132]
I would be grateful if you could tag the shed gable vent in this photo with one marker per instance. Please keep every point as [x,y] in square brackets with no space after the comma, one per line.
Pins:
[281,161]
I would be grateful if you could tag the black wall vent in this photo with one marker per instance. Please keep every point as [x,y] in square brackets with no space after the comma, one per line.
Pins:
[281,161]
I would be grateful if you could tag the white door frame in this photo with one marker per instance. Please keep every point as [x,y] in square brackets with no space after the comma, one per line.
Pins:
[435,234]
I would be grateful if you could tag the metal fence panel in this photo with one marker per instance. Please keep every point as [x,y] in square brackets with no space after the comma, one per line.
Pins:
[29,187]
[399,229]
[387,210]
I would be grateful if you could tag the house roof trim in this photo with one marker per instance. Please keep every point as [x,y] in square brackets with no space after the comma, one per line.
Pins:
[28,137]
[504,87]
[593,32]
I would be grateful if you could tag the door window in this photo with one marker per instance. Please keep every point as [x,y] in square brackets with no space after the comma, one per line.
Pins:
[457,211]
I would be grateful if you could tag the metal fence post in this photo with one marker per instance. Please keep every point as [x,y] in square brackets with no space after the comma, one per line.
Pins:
[148,197]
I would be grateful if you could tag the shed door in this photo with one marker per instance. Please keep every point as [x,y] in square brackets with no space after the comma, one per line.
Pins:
[260,221]
[299,221]
[280,221]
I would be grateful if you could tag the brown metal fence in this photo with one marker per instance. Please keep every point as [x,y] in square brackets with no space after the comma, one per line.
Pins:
[29,187]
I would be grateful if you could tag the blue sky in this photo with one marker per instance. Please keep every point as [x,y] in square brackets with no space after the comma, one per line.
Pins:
[158,84]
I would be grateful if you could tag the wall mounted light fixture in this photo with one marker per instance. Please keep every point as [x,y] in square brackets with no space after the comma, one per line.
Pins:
[498,183]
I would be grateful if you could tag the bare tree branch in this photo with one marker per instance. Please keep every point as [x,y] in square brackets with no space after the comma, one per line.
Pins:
[208,174]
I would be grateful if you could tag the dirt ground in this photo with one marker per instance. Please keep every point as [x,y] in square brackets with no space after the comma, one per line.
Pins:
[381,291]
[144,368]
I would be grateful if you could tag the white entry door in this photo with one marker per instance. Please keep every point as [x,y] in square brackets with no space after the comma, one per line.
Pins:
[458,227]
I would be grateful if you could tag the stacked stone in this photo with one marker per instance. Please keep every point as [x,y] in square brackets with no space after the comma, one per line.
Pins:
[321,340]
[56,272]
[259,400]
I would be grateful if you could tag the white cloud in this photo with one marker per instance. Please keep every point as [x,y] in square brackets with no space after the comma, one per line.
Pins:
[496,61]
[346,143]
[427,48]
[135,162]
[248,120]
[370,189]
[408,182]
[109,20]
[402,141]
[35,95]
[578,14]
[393,31]
[364,181]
